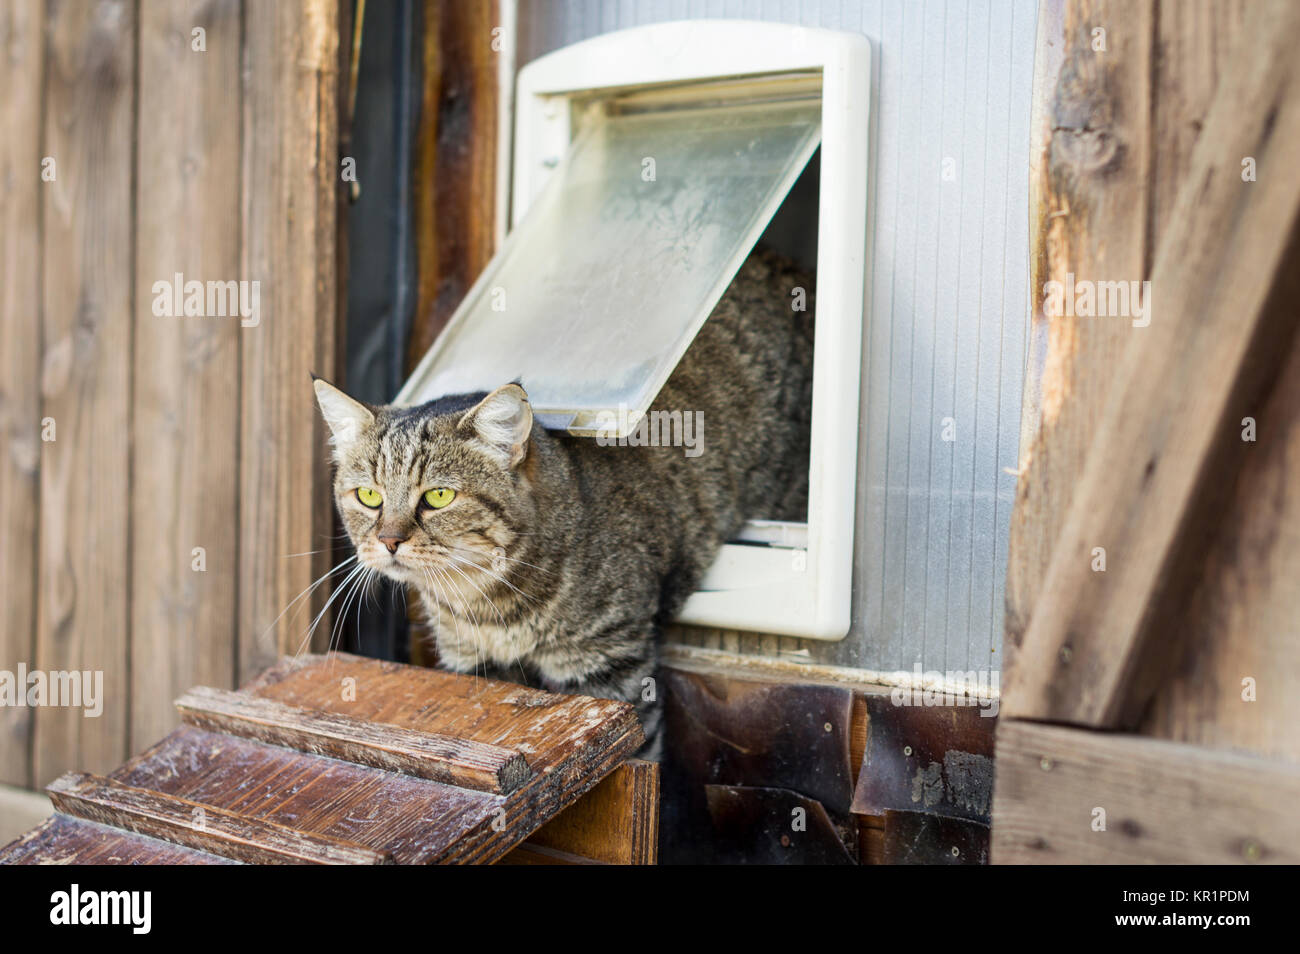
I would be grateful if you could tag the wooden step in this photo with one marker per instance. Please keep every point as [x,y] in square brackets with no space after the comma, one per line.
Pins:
[464,763]
[192,824]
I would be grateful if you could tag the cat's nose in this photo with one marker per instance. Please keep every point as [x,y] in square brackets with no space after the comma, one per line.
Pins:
[392,542]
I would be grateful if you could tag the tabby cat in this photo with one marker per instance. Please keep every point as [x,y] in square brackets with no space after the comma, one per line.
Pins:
[555,561]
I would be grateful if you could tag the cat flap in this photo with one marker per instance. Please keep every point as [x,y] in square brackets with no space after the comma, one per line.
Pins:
[594,298]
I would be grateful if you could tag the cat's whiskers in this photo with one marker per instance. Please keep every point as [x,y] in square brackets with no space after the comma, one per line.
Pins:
[359,586]
[440,599]
[307,591]
[486,598]
[502,580]
[478,630]
[352,575]
[500,557]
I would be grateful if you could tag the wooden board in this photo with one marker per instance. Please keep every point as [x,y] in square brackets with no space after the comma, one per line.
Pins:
[456,162]
[22,39]
[201,827]
[1089,173]
[289,241]
[1236,686]
[1164,803]
[440,758]
[616,823]
[1168,446]
[185,400]
[63,840]
[1242,622]
[83,610]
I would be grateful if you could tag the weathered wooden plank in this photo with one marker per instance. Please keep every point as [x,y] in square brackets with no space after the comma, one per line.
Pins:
[185,450]
[1163,802]
[616,823]
[23,46]
[1089,182]
[456,162]
[291,187]
[1234,687]
[445,703]
[83,608]
[1169,444]
[201,827]
[439,758]
[1195,39]
[63,840]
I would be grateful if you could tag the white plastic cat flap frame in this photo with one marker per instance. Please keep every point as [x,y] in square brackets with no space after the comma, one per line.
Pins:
[602,284]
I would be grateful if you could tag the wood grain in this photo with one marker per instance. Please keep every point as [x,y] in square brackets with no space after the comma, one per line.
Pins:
[1089,181]
[616,823]
[440,758]
[201,827]
[1164,803]
[1168,446]
[291,181]
[185,400]
[22,43]
[1235,687]
[1242,624]
[83,610]
[63,840]
[456,163]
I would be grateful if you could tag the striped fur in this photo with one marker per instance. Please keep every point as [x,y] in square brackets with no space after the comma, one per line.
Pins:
[560,560]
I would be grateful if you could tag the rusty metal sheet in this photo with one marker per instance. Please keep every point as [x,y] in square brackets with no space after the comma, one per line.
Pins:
[932,759]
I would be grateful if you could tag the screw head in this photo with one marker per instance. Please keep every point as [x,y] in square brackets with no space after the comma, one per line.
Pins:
[907,750]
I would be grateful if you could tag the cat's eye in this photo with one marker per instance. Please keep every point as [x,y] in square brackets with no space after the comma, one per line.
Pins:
[369,498]
[439,497]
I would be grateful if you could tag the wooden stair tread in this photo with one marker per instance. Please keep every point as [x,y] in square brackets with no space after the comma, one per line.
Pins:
[439,758]
[199,826]
[544,726]
[64,840]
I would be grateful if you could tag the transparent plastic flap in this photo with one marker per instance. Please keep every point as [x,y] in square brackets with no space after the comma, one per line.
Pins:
[593,299]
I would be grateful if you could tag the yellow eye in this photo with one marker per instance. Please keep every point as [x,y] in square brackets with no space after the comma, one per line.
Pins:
[439,497]
[371,498]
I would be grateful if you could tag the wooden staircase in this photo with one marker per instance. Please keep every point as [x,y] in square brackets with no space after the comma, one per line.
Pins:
[342,760]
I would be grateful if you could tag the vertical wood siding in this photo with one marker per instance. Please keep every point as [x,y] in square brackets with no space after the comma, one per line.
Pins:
[170,434]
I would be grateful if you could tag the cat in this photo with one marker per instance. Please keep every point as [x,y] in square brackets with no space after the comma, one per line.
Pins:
[555,560]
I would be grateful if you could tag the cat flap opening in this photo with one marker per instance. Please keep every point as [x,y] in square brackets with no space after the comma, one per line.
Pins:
[596,295]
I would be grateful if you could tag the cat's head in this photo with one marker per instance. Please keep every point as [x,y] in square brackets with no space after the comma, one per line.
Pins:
[433,491]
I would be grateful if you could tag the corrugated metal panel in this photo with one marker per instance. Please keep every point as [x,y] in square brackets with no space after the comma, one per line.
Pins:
[947,306]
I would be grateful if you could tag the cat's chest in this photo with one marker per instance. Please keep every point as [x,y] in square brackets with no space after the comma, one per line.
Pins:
[468,633]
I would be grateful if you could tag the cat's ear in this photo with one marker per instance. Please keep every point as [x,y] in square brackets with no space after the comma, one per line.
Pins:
[501,422]
[346,418]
